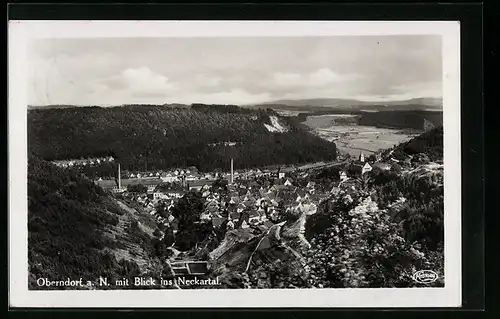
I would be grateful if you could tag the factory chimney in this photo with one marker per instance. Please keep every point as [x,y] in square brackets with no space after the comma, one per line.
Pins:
[119,177]
[232,171]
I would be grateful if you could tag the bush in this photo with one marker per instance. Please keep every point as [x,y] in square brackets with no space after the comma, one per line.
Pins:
[365,249]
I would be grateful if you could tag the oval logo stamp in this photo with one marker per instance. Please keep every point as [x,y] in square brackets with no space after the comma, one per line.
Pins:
[425,276]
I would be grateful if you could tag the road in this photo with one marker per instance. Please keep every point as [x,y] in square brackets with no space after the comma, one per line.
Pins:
[318,165]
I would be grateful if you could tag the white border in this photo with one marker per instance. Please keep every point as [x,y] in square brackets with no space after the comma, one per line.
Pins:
[20,32]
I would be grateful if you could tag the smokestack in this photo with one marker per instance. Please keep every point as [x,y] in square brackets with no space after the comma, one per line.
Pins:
[232,169]
[119,178]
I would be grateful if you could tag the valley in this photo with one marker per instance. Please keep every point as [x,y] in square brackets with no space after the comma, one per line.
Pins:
[292,214]
[351,138]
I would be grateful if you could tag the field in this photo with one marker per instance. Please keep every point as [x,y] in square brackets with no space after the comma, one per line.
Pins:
[351,138]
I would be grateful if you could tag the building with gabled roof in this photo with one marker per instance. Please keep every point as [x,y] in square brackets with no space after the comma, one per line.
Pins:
[311,184]
[366,168]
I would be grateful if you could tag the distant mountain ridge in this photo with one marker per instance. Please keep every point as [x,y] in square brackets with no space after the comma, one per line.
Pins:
[417,103]
[423,103]
[332,102]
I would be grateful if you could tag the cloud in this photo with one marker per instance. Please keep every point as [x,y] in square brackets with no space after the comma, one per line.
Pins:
[287,79]
[231,96]
[143,81]
[232,70]
[317,79]
[323,77]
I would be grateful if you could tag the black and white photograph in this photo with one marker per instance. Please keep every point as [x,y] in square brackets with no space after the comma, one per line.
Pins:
[237,159]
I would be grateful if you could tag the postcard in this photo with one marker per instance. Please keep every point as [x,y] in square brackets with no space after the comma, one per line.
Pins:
[239,164]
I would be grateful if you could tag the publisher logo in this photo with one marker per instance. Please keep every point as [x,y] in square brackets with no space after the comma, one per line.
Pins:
[425,276]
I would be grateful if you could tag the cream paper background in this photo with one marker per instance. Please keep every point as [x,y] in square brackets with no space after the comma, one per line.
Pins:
[21,32]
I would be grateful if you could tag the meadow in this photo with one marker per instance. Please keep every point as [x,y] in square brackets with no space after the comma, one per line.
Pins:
[351,138]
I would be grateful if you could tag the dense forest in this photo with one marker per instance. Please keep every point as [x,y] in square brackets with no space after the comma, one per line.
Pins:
[68,218]
[427,145]
[401,119]
[155,137]
[406,119]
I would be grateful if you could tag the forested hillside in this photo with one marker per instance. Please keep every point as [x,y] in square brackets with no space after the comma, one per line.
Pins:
[405,119]
[77,231]
[401,119]
[429,143]
[157,137]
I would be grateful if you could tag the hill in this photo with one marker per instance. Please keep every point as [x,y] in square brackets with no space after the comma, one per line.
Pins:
[156,137]
[76,230]
[429,144]
[411,119]
[351,104]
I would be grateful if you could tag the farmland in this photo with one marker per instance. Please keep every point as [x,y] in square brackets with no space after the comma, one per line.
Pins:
[351,138]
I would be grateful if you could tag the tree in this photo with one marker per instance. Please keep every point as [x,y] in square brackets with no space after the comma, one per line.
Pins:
[187,211]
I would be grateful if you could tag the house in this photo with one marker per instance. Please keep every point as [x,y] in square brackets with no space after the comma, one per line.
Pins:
[301,195]
[281,175]
[277,188]
[234,200]
[183,268]
[191,177]
[205,194]
[311,185]
[241,207]
[217,222]
[158,195]
[234,216]
[205,216]
[288,182]
[343,176]
[366,168]
[199,184]
[169,178]
[254,217]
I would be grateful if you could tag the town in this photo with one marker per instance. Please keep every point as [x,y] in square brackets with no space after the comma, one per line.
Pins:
[239,199]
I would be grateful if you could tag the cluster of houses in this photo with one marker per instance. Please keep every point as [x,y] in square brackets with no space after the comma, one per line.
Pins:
[249,203]
[178,175]
[83,161]
[361,166]
[254,197]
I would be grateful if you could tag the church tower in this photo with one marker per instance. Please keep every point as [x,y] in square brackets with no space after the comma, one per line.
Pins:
[362,157]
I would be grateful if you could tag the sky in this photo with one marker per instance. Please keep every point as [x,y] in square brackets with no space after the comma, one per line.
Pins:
[115,71]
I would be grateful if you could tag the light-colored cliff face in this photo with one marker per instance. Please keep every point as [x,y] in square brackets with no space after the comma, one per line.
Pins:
[276,126]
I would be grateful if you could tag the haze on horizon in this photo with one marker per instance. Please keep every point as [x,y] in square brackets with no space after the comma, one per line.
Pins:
[115,71]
